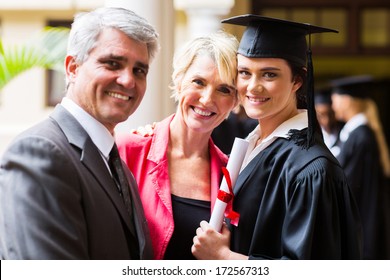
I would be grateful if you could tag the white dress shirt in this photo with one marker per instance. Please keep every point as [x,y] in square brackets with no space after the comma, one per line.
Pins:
[297,122]
[99,134]
[351,125]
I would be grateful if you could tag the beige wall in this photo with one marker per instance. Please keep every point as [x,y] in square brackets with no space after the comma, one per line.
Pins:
[18,5]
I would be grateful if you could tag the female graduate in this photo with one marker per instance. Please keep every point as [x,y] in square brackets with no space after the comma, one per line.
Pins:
[292,195]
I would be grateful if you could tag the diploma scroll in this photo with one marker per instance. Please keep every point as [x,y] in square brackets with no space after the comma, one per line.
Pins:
[236,158]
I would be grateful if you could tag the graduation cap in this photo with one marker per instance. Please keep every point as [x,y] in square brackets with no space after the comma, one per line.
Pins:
[276,38]
[355,86]
[323,96]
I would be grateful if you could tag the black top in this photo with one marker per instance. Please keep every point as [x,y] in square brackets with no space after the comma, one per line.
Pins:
[232,127]
[187,214]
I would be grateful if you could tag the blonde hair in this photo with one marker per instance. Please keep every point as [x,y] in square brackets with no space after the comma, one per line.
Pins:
[220,46]
[371,111]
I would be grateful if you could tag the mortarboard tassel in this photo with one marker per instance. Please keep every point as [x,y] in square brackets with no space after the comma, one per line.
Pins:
[306,141]
[311,114]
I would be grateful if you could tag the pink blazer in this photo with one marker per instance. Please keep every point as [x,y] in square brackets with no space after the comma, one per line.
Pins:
[146,157]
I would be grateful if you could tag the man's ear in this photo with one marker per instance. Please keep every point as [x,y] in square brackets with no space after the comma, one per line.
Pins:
[70,67]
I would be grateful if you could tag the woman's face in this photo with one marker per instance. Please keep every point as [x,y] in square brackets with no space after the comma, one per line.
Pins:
[204,99]
[267,89]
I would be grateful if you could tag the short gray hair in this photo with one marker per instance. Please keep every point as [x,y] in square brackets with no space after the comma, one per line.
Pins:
[88,25]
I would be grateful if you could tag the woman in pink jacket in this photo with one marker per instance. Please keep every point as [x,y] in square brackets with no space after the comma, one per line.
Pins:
[178,167]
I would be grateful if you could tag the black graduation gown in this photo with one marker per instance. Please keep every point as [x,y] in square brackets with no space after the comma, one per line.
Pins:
[295,204]
[360,159]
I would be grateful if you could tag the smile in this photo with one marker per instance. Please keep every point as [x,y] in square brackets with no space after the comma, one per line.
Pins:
[257,99]
[204,113]
[119,96]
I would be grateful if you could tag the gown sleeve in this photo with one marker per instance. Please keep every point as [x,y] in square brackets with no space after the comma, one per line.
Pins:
[320,214]
[321,218]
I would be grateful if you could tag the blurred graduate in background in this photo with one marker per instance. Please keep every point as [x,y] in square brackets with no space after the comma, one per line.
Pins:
[326,118]
[364,156]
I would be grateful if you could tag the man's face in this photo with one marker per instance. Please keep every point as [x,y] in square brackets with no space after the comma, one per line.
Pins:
[325,116]
[111,83]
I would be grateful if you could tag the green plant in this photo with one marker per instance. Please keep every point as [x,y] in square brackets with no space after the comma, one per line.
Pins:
[46,50]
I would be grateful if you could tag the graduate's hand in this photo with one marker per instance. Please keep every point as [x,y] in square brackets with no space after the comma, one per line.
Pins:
[210,244]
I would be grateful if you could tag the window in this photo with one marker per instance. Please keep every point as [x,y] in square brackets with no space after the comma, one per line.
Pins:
[334,18]
[375,27]
[363,25]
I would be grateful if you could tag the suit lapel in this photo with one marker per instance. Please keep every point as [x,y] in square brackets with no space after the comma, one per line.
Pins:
[90,158]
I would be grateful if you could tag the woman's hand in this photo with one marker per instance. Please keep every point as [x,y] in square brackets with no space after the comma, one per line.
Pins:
[146,130]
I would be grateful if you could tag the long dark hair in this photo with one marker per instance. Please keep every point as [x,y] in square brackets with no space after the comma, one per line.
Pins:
[300,137]
[299,71]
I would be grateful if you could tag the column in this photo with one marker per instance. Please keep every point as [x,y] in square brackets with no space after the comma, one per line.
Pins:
[204,16]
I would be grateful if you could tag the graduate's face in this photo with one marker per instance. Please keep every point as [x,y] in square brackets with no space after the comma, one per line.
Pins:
[325,116]
[204,99]
[111,83]
[340,105]
[267,89]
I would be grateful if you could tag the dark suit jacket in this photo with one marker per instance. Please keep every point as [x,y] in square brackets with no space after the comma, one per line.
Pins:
[58,200]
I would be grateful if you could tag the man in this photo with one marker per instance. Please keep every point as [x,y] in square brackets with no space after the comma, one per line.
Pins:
[326,118]
[58,199]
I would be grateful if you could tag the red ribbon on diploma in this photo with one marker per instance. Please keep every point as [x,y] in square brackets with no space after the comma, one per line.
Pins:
[228,198]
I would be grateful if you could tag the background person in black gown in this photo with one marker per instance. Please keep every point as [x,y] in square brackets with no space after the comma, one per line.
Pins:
[326,118]
[364,156]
